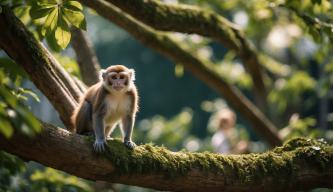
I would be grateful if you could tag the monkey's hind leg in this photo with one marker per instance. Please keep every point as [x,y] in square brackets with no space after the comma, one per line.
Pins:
[108,131]
[84,119]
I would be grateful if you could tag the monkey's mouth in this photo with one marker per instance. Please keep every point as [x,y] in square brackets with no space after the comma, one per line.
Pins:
[117,88]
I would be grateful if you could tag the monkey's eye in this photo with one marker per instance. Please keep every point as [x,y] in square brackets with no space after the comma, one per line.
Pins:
[122,76]
[113,77]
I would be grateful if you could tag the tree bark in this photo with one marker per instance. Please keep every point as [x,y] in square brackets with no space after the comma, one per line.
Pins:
[64,76]
[204,70]
[192,19]
[85,56]
[300,164]
[26,51]
[82,87]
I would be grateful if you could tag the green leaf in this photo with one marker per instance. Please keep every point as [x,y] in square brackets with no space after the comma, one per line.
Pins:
[6,128]
[62,34]
[52,42]
[46,3]
[37,12]
[12,68]
[30,93]
[315,35]
[179,70]
[29,119]
[7,96]
[50,22]
[13,164]
[76,18]
[22,98]
[4,2]
[316,2]
[73,5]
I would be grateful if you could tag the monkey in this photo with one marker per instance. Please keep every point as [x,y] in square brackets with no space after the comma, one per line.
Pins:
[111,101]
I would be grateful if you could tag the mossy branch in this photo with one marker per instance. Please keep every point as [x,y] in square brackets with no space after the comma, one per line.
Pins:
[300,164]
[192,19]
[202,69]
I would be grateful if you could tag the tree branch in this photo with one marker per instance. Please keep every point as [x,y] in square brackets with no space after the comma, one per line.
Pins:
[39,64]
[299,165]
[80,84]
[204,70]
[64,76]
[191,19]
[86,57]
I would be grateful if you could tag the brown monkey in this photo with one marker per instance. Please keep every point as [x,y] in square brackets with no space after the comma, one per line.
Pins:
[112,100]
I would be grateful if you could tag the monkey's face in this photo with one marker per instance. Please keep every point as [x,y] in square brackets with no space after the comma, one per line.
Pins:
[118,81]
[117,78]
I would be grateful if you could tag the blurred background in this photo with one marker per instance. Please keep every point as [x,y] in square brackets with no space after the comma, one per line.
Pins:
[181,112]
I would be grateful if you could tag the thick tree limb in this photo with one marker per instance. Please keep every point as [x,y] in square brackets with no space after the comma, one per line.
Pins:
[191,19]
[299,165]
[86,57]
[65,77]
[82,87]
[204,70]
[39,64]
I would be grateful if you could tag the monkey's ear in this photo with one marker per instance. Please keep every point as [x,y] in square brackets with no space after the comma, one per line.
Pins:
[132,73]
[102,74]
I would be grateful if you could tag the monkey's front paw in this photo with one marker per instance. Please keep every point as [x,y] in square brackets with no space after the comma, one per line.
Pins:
[99,146]
[129,144]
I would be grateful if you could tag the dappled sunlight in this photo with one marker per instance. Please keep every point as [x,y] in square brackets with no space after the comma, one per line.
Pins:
[282,36]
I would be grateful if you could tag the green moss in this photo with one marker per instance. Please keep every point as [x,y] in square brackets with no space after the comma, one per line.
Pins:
[279,164]
[293,144]
[283,162]
[149,158]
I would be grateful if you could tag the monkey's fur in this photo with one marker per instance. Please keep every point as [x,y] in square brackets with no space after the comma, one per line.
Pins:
[112,100]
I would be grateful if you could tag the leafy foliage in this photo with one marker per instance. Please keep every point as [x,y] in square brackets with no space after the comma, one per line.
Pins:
[312,13]
[69,64]
[17,176]
[53,180]
[162,131]
[13,112]
[52,19]
[9,167]
[58,16]
[288,91]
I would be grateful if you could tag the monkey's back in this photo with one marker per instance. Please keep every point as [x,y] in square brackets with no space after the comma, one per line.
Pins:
[82,116]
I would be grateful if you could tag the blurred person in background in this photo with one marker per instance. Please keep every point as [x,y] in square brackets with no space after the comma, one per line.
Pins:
[226,139]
